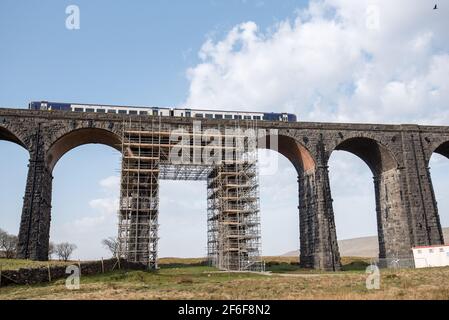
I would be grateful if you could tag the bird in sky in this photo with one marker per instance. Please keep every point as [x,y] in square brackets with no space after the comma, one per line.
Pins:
[436,7]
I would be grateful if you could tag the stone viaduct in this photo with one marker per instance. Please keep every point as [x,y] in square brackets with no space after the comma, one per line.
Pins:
[398,156]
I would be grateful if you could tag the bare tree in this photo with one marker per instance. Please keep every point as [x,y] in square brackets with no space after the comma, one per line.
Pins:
[111,244]
[8,244]
[51,250]
[64,250]
[3,235]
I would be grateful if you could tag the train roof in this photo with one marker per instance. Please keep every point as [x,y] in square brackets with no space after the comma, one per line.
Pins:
[149,107]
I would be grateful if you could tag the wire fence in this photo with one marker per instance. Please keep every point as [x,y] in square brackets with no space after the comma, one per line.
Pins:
[394,263]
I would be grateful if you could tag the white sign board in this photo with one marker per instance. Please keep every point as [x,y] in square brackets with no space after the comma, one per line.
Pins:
[432,256]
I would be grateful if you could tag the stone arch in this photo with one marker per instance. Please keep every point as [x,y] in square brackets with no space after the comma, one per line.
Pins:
[63,143]
[8,135]
[377,156]
[442,148]
[392,222]
[318,247]
[301,158]
[285,146]
[78,138]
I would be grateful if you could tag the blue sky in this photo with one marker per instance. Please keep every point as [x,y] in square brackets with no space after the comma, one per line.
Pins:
[299,56]
[124,53]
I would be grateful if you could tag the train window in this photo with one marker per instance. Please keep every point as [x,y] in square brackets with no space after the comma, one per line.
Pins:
[112,111]
[209,116]
[198,115]
[256,118]
[132,111]
[143,112]
[247,117]
[101,110]
[228,116]
[155,113]
[237,117]
[172,113]
[188,114]
[122,111]
[218,116]
[90,110]
[79,110]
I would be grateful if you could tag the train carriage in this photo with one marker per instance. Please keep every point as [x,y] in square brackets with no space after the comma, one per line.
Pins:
[164,112]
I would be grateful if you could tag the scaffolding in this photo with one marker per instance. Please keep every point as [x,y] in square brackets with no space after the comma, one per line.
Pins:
[139,195]
[233,210]
[233,241]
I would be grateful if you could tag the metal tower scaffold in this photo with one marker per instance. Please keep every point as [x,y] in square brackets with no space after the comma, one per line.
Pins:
[233,241]
[139,196]
[233,211]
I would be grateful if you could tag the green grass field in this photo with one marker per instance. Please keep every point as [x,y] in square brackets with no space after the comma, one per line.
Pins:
[177,280]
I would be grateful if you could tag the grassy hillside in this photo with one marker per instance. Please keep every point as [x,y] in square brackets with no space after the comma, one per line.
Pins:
[207,283]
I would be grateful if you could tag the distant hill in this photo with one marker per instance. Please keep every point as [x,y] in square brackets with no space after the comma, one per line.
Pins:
[361,247]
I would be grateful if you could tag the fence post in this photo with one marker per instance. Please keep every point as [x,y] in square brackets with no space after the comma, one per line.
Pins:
[1,275]
[102,265]
[49,272]
[79,266]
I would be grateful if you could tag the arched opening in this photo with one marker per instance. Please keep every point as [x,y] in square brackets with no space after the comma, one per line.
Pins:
[439,170]
[298,155]
[282,165]
[182,219]
[81,137]
[14,159]
[360,213]
[354,206]
[86,187]
[279,219]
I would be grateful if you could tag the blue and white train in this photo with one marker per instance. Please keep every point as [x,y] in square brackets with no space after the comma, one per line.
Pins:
[164,112]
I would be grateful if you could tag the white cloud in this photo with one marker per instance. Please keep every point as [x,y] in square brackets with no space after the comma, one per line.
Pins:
[328,65]
[103,209]
[105,206]
[111,184]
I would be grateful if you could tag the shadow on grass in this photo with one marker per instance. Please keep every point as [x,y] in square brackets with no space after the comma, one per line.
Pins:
[356,265]
[280,267]
[348,264]
[183,265]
